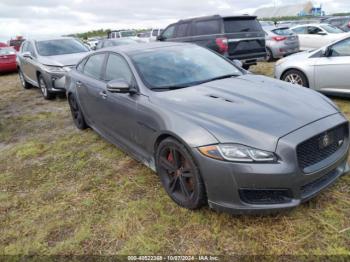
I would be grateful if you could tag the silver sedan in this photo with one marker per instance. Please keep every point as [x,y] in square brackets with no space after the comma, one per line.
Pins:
[325,69]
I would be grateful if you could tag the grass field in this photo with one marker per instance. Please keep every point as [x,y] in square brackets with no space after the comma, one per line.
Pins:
[64,191]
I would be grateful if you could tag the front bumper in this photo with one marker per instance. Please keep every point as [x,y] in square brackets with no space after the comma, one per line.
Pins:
[229,184]
[55,82]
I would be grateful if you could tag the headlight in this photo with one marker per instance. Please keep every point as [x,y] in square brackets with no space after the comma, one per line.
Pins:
[237,153]
[55,69]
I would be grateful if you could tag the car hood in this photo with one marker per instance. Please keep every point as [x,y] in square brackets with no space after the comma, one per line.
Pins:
[251,110]
[62,60]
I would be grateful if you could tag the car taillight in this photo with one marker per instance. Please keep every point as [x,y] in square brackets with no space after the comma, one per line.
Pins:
[222,43]
[349,24]
[279,38]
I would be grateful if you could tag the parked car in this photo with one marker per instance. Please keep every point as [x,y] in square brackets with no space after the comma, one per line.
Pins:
[342,22]
[154,33]
[325,69]
[44,63]
[267,23]
[7,59]
[122,33]
[3,45]
[117,42]
[235,37]
[213,132]
[280,42]
[314,36]
[92,42]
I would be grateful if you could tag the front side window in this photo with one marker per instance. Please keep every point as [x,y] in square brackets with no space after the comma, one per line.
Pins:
[169,32]
[30,49]
[182,30]
[210,27]
[60,47]
[341,49]
[93,66]
[181,66]
[117,69]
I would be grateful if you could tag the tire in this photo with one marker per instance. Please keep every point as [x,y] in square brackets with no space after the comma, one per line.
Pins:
[296,77]
[23,81]
[77,114]
[269,55]
[43,87]
[245,66]
[180,175]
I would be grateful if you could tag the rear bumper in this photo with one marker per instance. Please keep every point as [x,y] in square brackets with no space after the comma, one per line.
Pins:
[248,58]
[252,188]
[8,67]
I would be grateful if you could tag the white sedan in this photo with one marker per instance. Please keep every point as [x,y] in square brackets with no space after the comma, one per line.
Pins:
[313,36]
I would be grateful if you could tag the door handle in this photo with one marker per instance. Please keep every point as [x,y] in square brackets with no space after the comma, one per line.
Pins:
[103,94]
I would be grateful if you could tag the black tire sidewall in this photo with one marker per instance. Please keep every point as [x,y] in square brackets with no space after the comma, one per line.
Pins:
[199,198]
[83,124]
[48,95]
[24,83]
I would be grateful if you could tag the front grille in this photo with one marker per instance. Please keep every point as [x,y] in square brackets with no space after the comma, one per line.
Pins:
[265,196]
[318,184]
[315,149]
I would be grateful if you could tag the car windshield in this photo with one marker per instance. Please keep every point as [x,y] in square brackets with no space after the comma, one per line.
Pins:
[128,33]
[7,51]
[181,66]
[60,47]
[332,29]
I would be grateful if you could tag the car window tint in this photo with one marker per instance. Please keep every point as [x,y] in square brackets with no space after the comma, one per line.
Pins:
[300,30]
[313,30]
[24,47]
[30,49]
[341,49]
[155,33]
[169,32]
[207,27]
[282,31]
[117,69]
[80,66]
[94,65]
[182,30]
[234,25]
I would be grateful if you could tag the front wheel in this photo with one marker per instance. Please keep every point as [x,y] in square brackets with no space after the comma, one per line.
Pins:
[23,81]
[44,90]
[78,117]
[269,55]
[295,77]
[179,174]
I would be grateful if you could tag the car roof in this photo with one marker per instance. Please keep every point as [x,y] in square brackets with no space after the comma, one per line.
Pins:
[215,17]
[127,49]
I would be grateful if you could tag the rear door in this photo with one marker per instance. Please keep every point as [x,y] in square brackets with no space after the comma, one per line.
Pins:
[301,31]
[205,33]
[182,32]
[332,73]
[246,39]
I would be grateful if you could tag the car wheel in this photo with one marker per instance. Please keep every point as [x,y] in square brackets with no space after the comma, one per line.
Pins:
[23,81]
[179,174]
[269,55]
[295,77]
[43,87]
[78,117]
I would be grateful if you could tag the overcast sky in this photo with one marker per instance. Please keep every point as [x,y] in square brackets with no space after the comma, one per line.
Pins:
[39,18]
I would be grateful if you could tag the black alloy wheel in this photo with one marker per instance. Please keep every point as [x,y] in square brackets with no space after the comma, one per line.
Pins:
[77,115]
[180,175]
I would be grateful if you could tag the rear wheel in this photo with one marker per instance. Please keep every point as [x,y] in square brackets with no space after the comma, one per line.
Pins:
[295,77]
[269,55]
[179,174]
[44,90]
[78,117]
[23,81]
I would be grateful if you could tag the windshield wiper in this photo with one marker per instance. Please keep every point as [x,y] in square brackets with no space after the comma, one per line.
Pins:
[218,78]
[174,87]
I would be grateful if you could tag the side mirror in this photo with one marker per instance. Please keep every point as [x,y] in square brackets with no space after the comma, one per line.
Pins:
[118,86]
[237,63]
[326,51]
[160,38]
[27,55]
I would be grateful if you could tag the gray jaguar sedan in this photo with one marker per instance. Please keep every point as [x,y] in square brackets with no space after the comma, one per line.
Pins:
[213,132]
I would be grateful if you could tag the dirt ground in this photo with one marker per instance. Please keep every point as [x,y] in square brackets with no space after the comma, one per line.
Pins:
[64,191]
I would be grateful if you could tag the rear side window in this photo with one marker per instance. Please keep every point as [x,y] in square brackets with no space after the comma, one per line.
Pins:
[117,69]
[283,31]
[300,30]
[209,27]
[94,65]
[182,30]
[241,25]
